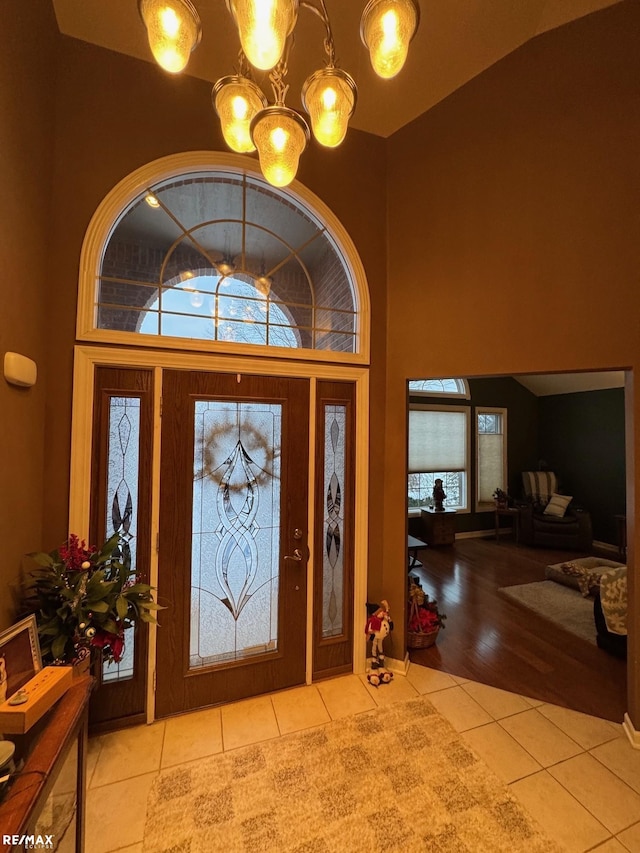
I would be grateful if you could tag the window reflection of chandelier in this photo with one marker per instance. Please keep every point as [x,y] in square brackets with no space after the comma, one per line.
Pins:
[265,27]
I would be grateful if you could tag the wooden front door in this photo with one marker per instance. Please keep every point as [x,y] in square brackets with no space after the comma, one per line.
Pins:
[232,558]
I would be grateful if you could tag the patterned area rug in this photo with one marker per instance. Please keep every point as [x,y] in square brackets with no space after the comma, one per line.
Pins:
[398,778]
[560,604]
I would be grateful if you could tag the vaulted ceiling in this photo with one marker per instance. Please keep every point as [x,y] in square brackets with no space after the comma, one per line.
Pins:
[456,41]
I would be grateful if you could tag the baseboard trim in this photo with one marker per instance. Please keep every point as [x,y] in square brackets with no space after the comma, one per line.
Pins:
[632,733]
[401,667]
[481,534]
[605,546]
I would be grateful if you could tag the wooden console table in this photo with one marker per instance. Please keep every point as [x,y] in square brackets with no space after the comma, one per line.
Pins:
[52,780]
[439,527]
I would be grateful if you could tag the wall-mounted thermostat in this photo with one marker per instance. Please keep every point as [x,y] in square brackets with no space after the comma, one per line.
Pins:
[20,370]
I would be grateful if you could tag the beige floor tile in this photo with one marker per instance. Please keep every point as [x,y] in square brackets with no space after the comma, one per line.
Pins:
[300,708]
[127,753]
[610,846]
[459,679]
[396,691]
[540,737]
[344,696]
[427,680]
[500,752]
[563,818]
[460,709]
[497,703]
[587,731]
[116,814]
[191,736]
[95,745]
[250,721]
[622,759]
[630,838]
[609,800]
[133,848]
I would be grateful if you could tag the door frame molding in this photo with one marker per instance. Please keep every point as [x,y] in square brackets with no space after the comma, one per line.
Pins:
[87,358]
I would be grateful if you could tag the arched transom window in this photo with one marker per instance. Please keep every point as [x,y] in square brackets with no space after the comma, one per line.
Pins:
[439,388]
[218,256]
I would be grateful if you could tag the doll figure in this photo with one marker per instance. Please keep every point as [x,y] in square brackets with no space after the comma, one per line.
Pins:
[438,496]
[377,628]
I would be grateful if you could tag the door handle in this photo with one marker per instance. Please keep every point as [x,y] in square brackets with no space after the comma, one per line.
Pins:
[296,556]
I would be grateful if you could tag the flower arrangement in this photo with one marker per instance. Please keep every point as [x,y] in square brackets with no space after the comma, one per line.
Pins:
[501,497]
[85,599]
[424,616]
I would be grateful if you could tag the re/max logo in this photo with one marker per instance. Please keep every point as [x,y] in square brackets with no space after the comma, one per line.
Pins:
[29,842]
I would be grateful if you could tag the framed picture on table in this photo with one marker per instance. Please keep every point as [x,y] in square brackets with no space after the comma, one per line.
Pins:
[20,657]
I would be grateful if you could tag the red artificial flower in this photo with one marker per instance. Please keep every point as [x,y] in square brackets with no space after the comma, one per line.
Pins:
[74,553]
[115,642]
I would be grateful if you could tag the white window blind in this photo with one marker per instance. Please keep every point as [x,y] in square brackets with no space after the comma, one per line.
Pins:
[491,453]
[437,440]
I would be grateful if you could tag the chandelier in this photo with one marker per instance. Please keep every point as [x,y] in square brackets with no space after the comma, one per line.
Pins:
[265,28]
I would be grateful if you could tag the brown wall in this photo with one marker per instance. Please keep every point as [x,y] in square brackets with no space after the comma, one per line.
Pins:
[27,77]
[117,114]
[514,228]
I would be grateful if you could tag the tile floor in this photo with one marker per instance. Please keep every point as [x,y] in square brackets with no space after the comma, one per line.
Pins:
[578,775]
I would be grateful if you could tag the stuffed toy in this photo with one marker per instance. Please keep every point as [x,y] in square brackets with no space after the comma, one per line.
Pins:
[376,677]
[377,628]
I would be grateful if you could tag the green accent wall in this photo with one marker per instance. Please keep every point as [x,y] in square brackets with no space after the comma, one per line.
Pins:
[582,439]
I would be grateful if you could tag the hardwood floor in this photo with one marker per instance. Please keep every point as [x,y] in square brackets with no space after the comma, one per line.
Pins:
[491,639]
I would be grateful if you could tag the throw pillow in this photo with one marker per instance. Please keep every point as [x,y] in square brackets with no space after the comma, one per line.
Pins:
[557,505]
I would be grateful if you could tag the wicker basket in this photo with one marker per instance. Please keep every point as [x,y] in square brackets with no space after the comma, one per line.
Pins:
[420,640]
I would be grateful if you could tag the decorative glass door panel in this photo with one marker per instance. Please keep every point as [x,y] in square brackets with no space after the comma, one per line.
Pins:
[121,503]
[233,529]
[334,510]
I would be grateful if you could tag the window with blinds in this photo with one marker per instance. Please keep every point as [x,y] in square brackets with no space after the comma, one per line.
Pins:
[439,448]
[491,455]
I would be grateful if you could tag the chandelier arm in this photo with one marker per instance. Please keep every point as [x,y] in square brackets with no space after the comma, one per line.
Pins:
[321,12]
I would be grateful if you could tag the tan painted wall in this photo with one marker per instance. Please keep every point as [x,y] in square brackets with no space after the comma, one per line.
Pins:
[27,75]
[514,227]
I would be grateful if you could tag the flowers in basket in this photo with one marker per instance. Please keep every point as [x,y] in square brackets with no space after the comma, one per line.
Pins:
[424,616]
[85,599]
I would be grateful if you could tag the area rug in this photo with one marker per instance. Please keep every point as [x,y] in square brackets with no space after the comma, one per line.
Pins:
[398,778]
[560,604]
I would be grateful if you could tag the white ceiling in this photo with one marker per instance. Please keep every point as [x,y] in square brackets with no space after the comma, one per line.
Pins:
[568,383]
[456,41]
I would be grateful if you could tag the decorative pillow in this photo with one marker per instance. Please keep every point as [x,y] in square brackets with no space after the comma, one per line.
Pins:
[558,505]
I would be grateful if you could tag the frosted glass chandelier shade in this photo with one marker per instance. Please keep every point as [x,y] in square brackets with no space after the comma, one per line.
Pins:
[263,27]
[236,101]
[173,29]
[280,135]
[329,96]
[386,28]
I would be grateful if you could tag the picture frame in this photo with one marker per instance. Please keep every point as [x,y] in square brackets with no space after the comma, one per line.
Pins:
[20,657]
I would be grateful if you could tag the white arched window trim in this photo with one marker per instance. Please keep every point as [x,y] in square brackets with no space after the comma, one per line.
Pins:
[433,388]
[173,166]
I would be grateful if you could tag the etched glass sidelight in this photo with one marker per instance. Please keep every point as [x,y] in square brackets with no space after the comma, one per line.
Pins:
[333,553]
[236,531]
[123,455]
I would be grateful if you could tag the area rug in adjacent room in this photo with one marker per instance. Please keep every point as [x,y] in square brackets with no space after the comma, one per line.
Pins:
[560,604]
[398,778]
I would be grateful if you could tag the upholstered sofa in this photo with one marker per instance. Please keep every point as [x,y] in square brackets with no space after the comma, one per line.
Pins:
[548,519]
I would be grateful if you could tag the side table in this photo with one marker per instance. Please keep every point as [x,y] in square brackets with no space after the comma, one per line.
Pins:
[439,527]
[514,513]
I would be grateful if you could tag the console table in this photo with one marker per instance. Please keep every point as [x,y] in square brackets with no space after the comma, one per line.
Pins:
[47,796]
[513,513]
[439,527]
